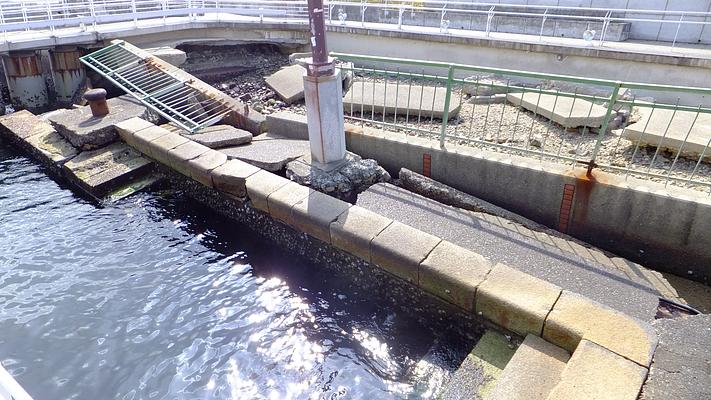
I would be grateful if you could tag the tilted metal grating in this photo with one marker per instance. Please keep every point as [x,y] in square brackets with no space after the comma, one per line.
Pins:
[156,87]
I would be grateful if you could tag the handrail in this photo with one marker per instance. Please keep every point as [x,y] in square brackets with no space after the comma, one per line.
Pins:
[51,14]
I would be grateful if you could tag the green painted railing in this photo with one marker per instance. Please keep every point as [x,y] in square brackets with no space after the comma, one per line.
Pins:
[600,123]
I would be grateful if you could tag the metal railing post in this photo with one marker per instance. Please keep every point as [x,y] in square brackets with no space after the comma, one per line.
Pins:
[678,27]
[447,101]
[399,17]
[605,123]
[135,17]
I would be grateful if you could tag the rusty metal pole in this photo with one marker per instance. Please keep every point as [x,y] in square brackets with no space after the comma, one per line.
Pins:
[323,96]
[320,63]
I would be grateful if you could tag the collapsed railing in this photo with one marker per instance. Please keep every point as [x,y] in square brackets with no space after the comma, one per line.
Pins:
[52,14]
[574,120]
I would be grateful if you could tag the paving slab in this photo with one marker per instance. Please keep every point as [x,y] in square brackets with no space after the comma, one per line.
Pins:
[283,199]
[170,55]
[268,151]
[453,273]
[202,166]
[575,317]
[288,83]
[595,373]
[315,213]
[515,300]
[179,156]
[565,111]
[681,369]
[399,249]
[681,132]
[533,371]
[159,147]
[215,136]
[100,171]
[495,239]
[85,131]
[355,229]
[231,177]
[262,184]
[422,102]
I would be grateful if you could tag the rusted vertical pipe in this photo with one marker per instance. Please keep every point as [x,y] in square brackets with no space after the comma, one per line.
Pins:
[320,64]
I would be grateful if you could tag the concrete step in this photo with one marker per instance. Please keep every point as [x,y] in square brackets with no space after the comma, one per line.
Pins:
[532,373]
[478,373]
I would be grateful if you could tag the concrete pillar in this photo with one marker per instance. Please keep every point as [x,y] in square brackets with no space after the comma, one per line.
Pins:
[68,73]
[25,82]
[324,113]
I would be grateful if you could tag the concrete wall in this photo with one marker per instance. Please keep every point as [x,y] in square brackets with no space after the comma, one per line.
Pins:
[588,62]
[665,229]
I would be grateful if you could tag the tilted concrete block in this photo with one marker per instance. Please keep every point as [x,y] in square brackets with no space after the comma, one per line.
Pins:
[453,273]
[355,229]
[576,317]
[282,200]
[231,177]
[515,300]
[261,185]
[129,127]
[142,139]
[594,372]
[399,249]
[160,147]
[179,156]
[201,167]
[315,213]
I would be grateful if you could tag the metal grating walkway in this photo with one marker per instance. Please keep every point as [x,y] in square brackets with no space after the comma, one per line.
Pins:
[156,87]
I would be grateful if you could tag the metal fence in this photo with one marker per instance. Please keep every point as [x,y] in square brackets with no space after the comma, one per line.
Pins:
[17,16]
[573,120]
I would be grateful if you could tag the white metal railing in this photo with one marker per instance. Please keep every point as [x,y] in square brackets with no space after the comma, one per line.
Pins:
[52,14]
[10,389]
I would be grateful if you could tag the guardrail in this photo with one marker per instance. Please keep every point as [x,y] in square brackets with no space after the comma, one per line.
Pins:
[10,389]
[51,14]
[569,119]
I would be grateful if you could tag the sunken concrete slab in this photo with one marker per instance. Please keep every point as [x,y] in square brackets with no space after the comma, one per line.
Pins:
[533,371]
[37,137]
[215,136]
[681,361]
[283,199]
[565,111]
[681,132]
[399,249]
[575,317]
[102,170]
[515,300]
[423,102]
[453,273]
[201,167]
[262,184]
[231,177]
[355,229]
[288,124]
[288,83]
[594,372]
[315,213]
[269,152]
[84,131]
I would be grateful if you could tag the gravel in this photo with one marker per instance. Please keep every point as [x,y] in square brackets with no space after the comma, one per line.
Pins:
[499,127]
